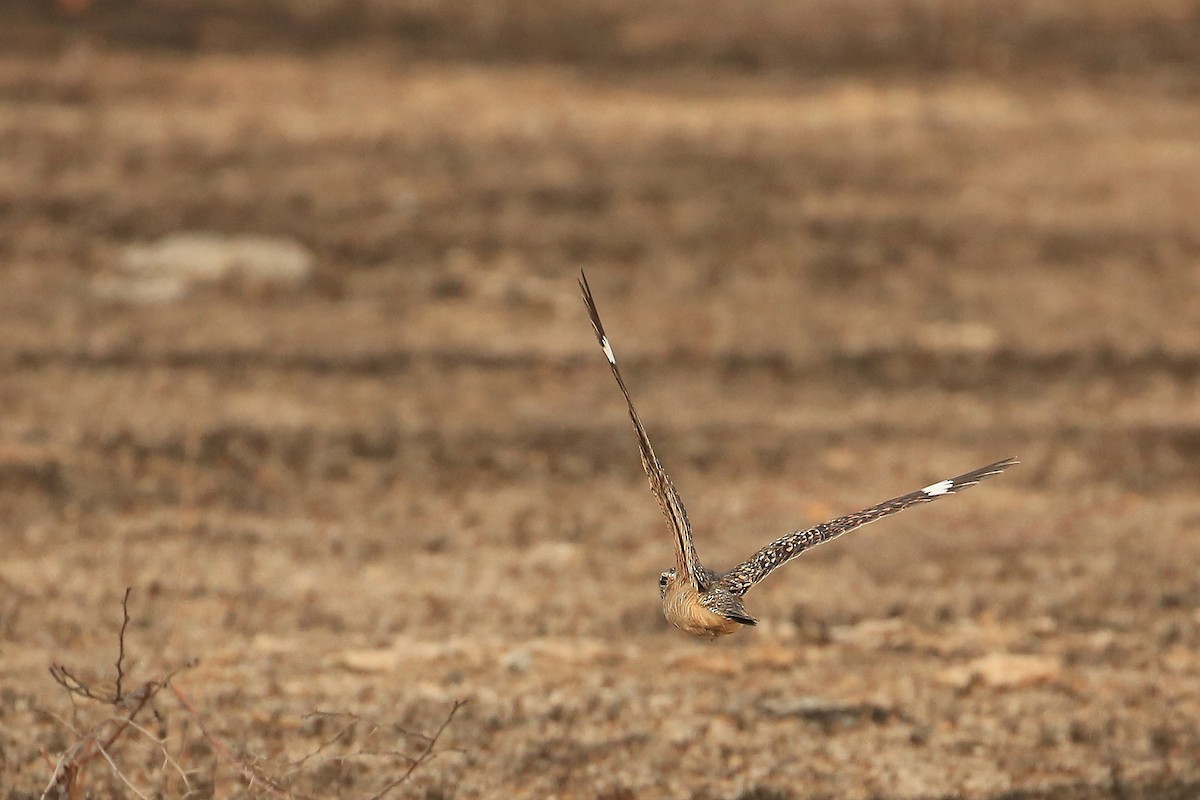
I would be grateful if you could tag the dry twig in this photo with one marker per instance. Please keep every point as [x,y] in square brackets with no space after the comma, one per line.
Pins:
[69,769]
[250,772]
[426,754]
[101,740]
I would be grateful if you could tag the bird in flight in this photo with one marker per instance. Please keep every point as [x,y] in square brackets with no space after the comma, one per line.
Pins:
[704,602]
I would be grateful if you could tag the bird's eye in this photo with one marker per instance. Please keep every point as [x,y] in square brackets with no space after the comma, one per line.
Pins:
[662,579]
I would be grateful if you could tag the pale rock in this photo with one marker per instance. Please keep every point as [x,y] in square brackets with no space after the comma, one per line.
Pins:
[166,270]
[369,661]
[517,660]
[872,634]
[1003,671]
[213,257]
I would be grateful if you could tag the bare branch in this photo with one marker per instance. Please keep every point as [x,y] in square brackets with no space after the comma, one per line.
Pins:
[250,773]
[66,679]
[117,771]
[59,767]
[74,685]
[121,645]
[168,759]
[354,738]
[327,743]
[425,755]
[67,774]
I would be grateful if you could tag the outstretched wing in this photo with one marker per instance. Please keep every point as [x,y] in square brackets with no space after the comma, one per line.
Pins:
[739,579]
[687,564]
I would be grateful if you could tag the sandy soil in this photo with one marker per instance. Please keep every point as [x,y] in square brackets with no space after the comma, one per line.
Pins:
[408,479]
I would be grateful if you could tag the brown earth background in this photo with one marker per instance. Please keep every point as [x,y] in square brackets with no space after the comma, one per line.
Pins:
[843,248]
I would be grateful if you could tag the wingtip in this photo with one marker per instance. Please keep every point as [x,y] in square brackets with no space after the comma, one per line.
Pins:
[997,468]
[1000,466]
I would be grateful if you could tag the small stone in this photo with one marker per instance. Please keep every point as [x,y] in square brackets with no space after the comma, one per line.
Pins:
[1002,671]
[827,711]
[873,634]
[711,663]
[369,661]
[517,660]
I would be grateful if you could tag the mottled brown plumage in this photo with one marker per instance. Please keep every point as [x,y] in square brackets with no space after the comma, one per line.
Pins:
[703,602]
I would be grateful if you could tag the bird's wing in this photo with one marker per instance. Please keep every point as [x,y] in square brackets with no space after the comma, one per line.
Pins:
[686,561]
[745,575]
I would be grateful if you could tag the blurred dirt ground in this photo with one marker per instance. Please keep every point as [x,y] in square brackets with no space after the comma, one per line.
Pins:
[843,251]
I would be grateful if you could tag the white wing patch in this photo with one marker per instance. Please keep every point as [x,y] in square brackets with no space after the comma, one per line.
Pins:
[608,350]
[938,489]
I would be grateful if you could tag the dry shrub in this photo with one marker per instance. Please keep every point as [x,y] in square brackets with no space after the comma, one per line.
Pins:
[149,739]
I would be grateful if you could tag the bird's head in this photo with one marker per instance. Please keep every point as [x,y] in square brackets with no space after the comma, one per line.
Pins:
[665,580]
